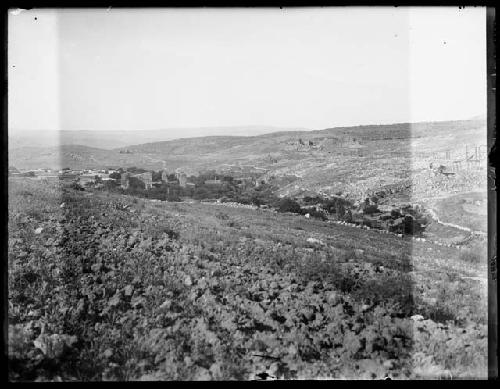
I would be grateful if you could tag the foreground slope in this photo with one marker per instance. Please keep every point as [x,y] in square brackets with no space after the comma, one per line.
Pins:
[104,286]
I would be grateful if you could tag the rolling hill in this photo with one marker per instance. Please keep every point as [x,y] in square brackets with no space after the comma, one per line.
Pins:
[351,160]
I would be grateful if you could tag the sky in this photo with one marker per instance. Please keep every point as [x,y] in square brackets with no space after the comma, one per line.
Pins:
[140,69]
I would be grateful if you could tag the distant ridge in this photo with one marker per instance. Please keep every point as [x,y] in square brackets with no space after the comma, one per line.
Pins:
[114,139]
[85,150]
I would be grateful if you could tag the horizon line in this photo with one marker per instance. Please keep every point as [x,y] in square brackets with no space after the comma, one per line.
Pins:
[482,116]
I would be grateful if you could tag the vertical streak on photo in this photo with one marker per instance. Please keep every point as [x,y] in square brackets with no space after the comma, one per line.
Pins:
[492,199]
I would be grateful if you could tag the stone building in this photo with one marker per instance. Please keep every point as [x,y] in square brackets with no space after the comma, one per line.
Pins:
[146,178]
[213,182]
[182,177]
[86,179]
[124,180]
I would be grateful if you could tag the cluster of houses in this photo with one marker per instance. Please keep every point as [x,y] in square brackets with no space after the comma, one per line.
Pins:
[146,178]
[98,177]
[83,177]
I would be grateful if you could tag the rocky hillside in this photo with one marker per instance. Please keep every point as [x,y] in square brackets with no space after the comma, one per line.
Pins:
[109,287]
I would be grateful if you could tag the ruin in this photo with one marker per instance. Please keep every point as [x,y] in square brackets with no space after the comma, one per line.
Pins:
[146,178]
[182,178]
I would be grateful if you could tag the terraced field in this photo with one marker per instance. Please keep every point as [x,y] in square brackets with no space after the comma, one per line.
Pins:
[103,286]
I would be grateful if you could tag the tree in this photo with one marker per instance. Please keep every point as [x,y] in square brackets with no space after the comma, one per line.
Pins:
[156,176]
[348,216]
[135,183]
[371,209]
[110,184]
[317,214]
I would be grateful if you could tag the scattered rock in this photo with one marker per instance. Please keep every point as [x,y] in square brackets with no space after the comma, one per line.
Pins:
[115,300]
[202,283]
[333,298]
[188,281]
[128,290]
[202,374]
[108,353]
[53,346]
[165,306]
[38,230]
[314,241]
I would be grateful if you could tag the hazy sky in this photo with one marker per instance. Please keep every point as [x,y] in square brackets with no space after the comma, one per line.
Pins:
[131,69]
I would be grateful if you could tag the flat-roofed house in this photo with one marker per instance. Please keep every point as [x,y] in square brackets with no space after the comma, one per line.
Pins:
[213,182]
[68,177]
[86,179]
[46,175]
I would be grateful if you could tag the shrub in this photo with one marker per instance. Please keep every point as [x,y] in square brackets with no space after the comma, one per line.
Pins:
[395,214]
[288,205]
[135,183]
[317,214]
[371,209]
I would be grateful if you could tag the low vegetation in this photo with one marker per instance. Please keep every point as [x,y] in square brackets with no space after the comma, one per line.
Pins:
[106,286]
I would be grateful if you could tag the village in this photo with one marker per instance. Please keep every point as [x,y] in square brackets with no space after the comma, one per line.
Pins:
[97,178]
[233,188]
